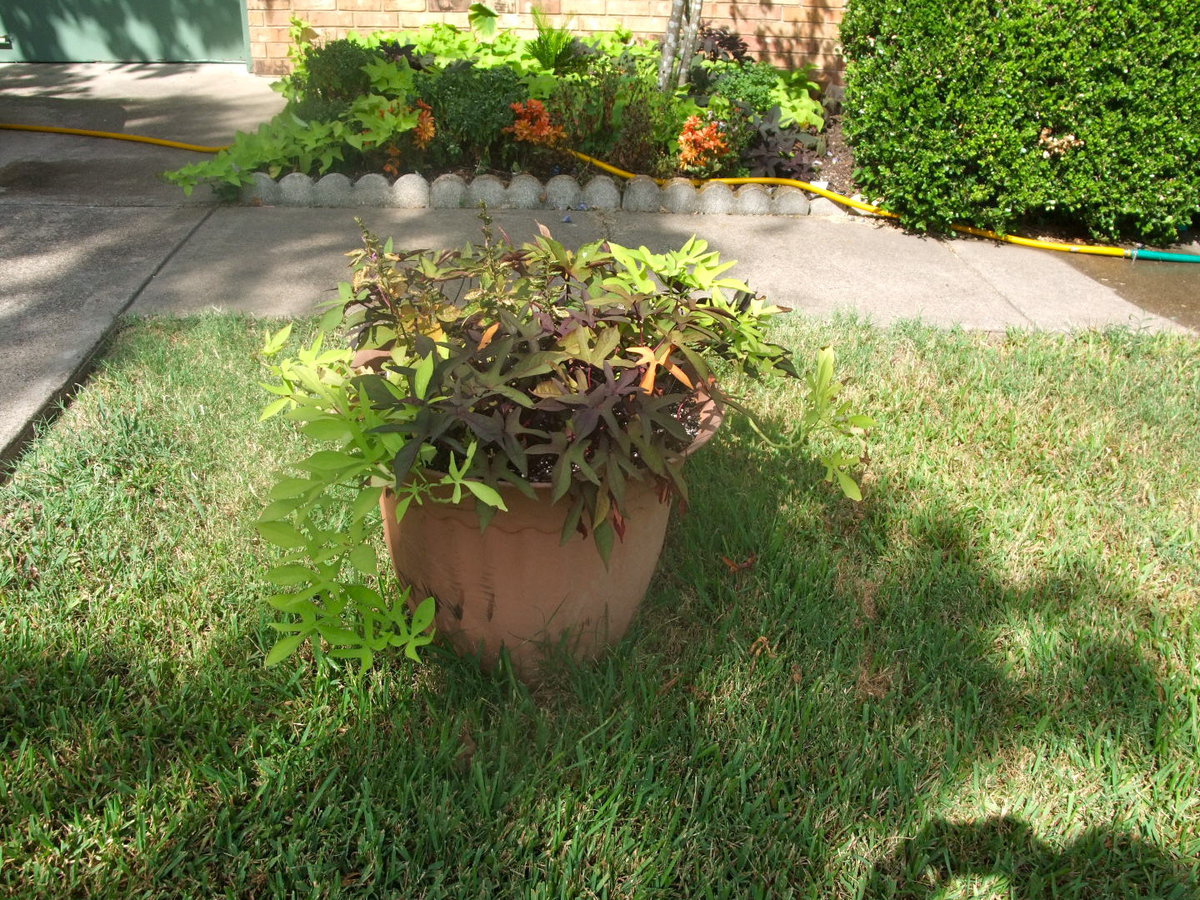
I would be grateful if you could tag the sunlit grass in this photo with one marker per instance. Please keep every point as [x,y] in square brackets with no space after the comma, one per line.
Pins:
[982,681]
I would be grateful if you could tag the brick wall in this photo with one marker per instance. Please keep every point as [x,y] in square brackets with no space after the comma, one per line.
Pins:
[786,32]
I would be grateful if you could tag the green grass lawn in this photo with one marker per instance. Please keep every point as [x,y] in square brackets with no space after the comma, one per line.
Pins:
[982,681]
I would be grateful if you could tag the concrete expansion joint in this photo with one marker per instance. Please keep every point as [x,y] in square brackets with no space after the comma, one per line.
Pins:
[561,192]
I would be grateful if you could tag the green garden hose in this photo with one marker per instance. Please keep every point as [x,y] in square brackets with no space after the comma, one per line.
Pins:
[1158,255]
[1163,256]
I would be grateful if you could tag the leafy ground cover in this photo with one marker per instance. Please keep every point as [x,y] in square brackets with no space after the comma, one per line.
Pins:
[982,681]
[442,99]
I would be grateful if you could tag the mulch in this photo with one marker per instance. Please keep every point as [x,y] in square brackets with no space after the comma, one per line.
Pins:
[837,165]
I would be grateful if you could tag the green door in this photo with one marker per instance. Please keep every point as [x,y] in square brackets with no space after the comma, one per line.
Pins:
[123,31]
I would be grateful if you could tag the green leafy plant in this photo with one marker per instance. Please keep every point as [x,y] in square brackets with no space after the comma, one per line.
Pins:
[290,144]
[337,70]
[324,537]
[495,368]
[483,21]
[750,84]
[997,115]
[555,48]
[795,93]
[301,37]
[325,126]
[471,106]
[760,87]
[613,111]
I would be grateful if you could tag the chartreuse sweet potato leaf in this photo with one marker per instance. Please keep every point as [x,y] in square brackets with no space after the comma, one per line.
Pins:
[274,408]
[285,488]
[284,648]
[276,341]
[364,559]
[281,534]
[289,575]
[486,493]
[327,429]
[366,502]
[422,616]
[604,535]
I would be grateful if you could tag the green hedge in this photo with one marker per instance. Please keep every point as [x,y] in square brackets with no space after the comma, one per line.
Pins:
[1003,113]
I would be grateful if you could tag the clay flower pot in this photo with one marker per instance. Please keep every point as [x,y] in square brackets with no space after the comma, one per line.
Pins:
[514,584]
[597,362]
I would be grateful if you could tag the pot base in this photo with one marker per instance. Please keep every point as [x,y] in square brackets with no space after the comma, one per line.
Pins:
[515,585]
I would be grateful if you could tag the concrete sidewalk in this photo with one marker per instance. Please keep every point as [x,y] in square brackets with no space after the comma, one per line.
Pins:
[276,261]
[202,104]
[89,234]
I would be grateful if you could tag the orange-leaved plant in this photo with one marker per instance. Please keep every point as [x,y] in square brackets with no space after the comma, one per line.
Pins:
[701,146]
[426,128]
[533,125]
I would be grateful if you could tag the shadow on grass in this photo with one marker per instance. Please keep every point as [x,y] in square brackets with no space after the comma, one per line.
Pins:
[126,777]
[819,720]
[867,641]
[1096,864]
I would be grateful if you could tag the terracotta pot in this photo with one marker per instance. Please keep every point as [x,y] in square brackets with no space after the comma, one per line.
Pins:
[514,584]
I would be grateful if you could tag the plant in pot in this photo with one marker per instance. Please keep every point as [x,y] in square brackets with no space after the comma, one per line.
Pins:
[521,415]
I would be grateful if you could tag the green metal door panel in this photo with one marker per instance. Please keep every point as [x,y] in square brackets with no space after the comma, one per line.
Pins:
[123,31]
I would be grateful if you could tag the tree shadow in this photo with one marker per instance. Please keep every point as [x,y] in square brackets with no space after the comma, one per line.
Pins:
[1099,863]
[127,31]
[894,617]
[812,39]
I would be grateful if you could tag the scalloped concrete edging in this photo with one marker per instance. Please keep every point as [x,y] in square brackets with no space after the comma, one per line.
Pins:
[562,192]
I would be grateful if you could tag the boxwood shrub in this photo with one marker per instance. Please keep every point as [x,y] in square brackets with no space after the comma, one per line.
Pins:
[1006,113]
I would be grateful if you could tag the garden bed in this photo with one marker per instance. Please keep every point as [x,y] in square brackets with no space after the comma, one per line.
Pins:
[484,103]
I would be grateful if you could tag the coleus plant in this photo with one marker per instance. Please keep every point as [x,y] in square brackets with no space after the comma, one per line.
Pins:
[475,372]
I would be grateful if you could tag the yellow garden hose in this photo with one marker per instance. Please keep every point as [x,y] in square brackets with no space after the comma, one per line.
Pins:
[789,182]
[879,211]
[835,197]
[112,135]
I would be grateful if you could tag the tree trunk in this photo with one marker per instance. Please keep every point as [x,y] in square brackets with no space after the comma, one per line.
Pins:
[670,45]
[687,43]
